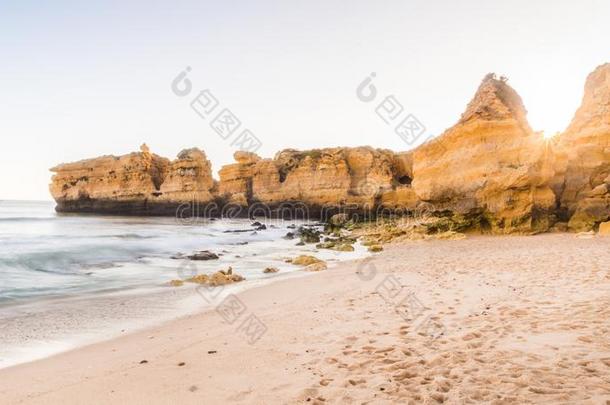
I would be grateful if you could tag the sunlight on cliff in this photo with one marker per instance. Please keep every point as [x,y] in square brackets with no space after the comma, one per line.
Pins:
[548,135]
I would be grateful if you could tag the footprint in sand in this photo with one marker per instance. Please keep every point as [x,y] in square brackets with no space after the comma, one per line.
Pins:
[325,381]
[356,382]
[470,336]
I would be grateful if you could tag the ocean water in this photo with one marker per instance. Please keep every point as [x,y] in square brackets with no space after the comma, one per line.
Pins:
[68,280]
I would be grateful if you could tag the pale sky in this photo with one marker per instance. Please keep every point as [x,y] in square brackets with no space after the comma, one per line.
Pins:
[83,79]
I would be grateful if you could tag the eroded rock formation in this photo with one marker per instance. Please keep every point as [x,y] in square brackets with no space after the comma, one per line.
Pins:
[490,167]
[346,177]
[582,182]
[490,171]
[187,178]
[137,183]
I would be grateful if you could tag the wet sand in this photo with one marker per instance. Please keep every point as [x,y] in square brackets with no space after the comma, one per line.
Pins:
[492,319]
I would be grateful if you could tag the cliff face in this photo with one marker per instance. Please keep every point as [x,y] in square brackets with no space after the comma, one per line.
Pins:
[583,157]
[236,179]
[187,178]
[489,164]
[489,171]
[348,177]
[357,179]
[137,183]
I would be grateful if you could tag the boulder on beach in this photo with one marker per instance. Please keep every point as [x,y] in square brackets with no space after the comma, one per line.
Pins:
[309,235]
[219,278]
[306,260]
[339,246]
[339,219]
[271,270]
[343,247]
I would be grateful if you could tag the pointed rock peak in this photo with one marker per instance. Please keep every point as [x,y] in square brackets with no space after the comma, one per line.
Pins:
[595,107]
[495,100]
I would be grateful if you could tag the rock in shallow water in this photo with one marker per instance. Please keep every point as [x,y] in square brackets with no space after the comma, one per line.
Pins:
[271,270]
[309,235]
[203,255]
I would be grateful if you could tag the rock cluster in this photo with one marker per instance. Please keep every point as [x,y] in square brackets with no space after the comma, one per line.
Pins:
[219,278]
[490,171]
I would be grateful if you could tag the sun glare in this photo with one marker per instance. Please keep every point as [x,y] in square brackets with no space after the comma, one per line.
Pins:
[549,134]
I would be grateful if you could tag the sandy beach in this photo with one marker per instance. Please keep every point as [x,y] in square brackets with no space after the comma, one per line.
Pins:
[492,319]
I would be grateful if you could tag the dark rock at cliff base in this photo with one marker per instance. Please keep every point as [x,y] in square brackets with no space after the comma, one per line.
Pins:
[309,235]
[339,219]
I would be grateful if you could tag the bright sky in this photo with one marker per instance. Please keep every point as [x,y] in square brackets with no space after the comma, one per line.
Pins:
[80,79]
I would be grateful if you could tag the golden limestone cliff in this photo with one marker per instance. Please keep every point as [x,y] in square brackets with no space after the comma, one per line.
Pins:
[352,178]
[582,181]
[490,167]
[489,172]
[137,183]
[188,177]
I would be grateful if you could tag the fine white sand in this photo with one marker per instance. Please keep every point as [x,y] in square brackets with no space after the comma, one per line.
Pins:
[486,319]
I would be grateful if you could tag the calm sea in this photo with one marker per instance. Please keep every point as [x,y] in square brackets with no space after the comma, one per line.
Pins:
[67,280]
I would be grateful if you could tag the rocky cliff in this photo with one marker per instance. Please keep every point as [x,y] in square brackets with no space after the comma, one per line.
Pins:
[490,171]
[582,181]
[137,183]
[348,178]
[490,167]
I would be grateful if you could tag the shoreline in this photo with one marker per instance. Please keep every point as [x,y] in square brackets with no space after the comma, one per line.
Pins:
[527,319]
[168,303]
[75,281]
